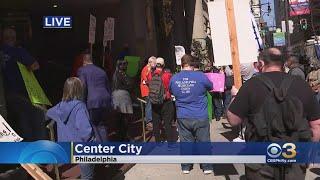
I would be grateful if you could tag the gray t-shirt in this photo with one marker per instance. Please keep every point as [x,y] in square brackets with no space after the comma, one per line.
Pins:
[297,71]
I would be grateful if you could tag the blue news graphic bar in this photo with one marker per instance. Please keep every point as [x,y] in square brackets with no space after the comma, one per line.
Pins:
[50,152]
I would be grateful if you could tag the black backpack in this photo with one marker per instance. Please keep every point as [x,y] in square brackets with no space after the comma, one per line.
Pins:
[156,89]
[281,116]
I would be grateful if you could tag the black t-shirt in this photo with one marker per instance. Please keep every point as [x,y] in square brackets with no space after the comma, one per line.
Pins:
[253,93]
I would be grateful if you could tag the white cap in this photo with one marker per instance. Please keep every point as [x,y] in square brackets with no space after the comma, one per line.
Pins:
[160,60]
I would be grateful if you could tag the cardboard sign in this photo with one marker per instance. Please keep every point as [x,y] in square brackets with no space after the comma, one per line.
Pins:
[7,134]
[218,81]
[108,33]
[35,92]
[133,65]
[92,29]
[180,52]
[247,44]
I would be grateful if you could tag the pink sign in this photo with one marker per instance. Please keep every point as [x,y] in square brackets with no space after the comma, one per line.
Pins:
[299,7]
[218,81]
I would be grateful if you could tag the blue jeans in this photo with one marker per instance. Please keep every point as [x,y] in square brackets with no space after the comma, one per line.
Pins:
[148,110]
[192,130]
[318,96]
[217,105]
[227,100]
[87,171]
[99,127]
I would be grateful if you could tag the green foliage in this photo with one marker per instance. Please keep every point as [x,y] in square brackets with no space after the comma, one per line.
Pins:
[200,52]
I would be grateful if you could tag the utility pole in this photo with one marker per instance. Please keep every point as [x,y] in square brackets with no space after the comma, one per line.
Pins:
[286,11]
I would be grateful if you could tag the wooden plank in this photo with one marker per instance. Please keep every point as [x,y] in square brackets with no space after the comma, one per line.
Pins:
[36,172]
[233,43]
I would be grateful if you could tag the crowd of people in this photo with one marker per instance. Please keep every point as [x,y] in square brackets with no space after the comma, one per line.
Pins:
[180,97]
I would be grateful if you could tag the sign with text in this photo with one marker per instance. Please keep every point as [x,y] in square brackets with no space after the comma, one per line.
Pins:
[299,7]
[180,52]
[58,22]
[7,134]
[108,34]
[35,92]
[279,39]
[246,38]
[92,29]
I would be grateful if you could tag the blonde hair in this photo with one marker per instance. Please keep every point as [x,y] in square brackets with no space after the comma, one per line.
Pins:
[73,89]
[152,59]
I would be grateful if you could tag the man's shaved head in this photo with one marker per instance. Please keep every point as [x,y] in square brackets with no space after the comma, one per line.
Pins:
[274,51]
[272,56]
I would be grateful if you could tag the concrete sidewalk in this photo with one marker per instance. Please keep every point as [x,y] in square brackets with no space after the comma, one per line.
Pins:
[220,132]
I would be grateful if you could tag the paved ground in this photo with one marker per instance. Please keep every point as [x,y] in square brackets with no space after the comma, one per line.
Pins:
[220,131]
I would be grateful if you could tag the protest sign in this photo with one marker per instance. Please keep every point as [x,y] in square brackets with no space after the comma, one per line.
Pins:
[179,51]
[218,81]
[7,134]
[279,39]
[246,42]
[35,92]
[92,29]
[108,33]
[133,65]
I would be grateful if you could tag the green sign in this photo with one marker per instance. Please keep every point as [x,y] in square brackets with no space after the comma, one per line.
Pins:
[35,92]
[133,65]
[279,39]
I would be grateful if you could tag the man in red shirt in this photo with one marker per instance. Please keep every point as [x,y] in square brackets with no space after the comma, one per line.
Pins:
[145,89]
[164,111]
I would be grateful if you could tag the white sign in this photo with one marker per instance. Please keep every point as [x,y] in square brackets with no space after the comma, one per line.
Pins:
[179,51]
[92,29]
[108,33]
[7,134]
[247,44]
[284,26]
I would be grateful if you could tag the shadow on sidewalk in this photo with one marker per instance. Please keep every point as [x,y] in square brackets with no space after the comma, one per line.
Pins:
[224,170]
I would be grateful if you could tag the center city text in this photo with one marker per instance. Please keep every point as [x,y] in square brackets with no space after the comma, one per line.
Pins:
[100,149]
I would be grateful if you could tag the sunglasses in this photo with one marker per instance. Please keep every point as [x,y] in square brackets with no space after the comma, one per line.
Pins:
[123,63]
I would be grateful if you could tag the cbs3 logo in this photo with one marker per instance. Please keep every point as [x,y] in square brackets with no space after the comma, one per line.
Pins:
[288,150]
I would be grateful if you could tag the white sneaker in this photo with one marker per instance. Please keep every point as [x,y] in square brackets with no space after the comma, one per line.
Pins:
[238,139]
[186,172]
[206,172]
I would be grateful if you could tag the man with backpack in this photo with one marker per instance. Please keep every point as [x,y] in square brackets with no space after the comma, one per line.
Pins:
[277,107]
[160,98]
[190,90]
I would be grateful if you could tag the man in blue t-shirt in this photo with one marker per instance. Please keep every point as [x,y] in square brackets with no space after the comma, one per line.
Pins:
[190,89]
[22,115]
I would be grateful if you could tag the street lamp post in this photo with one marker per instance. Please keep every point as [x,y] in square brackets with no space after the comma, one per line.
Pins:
[286,11]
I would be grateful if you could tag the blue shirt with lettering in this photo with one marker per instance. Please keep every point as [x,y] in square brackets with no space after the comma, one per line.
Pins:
[190,90]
